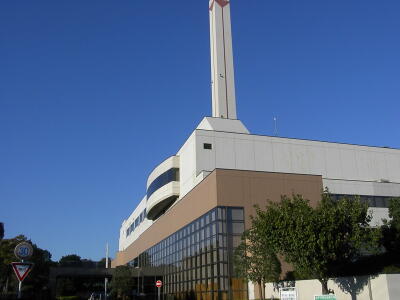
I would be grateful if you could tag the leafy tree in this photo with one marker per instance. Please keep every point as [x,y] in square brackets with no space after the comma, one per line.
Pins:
[256,262]
[316,241]
[391,229]
[7,278]
[70,260]
[102,263]
[122,282]
[37,281]
[66,287]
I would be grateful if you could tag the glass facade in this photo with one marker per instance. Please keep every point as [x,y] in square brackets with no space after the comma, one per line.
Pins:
[372,201]
[163,179]
[196,262]
[136,223]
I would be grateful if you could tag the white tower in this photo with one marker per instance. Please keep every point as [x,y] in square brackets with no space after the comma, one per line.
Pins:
[222,73]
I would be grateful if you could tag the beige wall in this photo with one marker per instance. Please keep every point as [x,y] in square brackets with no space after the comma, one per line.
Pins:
[248,188]
[224,188]
[346,288]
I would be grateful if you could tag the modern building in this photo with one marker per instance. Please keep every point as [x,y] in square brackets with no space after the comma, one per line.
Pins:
[198,201]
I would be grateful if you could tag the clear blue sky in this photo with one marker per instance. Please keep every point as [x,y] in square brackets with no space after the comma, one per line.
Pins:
[95,93]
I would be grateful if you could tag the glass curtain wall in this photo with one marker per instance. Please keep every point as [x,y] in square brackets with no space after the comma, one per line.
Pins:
[371,201]
[197,261]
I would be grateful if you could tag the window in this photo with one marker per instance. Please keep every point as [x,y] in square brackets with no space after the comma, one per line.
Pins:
[163,179]
[371,201]
[207,146]
[199,256]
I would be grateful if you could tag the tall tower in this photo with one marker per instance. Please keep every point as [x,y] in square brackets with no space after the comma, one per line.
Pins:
[222,72]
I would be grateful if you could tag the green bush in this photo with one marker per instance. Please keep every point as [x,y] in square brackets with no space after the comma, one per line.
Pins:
[392,269]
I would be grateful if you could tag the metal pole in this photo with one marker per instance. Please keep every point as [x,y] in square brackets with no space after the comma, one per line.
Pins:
[142,277]
[19,290]
[158,288]
[20,286]
[106,279]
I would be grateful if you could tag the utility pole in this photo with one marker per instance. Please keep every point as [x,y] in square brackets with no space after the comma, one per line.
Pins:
[106,279]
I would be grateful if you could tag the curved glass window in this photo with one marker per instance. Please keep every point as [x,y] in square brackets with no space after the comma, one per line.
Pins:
[163,179]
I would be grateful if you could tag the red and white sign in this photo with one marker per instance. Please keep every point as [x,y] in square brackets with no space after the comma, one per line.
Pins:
[21,269]
[158,283]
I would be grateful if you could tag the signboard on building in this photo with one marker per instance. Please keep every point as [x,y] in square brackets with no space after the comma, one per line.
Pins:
[325,297]
[288,293]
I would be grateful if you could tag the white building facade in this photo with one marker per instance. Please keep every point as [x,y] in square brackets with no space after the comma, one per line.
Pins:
[199,201]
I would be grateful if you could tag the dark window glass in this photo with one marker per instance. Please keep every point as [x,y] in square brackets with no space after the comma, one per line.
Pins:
[237,214]
[237,228]
[371,201]
[163,179]
[221,213]
[190,260]
[207,146]
[379,202]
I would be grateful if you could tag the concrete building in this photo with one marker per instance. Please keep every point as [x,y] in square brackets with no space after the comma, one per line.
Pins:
[198,202]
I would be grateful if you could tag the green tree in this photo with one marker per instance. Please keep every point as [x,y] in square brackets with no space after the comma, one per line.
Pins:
[37,281]
[102,263]
[70,260]
[391,229]
[66,287]
[122,282]
[316,241]
[7,278]
[256,261]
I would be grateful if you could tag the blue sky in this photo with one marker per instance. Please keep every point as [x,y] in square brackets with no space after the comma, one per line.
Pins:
[94,94]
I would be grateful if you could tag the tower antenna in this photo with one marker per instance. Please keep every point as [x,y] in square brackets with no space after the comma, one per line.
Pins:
[275,126]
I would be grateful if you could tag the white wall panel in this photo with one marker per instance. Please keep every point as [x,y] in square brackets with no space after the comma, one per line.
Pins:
[205,157]
[348,162]
[333,163]
[187,171]
[299,159]
[264,156]
[282,157]
[362,187]
[244,154]
[393,164]
[365,170]
[316,157]
[225,154]
[378,214]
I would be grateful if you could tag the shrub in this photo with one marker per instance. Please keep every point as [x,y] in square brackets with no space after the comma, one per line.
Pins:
[392,269]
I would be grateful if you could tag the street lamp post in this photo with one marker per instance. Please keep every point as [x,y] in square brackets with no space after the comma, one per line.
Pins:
[138,281]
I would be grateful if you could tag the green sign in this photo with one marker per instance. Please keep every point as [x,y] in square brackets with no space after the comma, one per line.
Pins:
[325,297]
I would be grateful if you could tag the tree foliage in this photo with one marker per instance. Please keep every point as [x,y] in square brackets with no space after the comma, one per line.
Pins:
[391,229]
[37,280]
[316,241]
[70,260]
[256,262]
[122,282]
